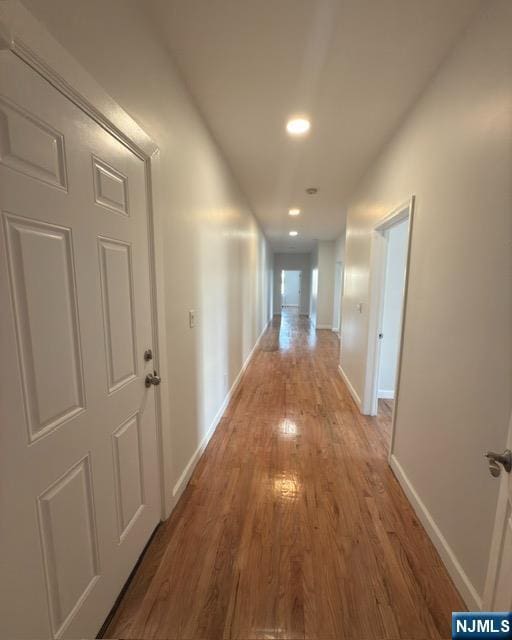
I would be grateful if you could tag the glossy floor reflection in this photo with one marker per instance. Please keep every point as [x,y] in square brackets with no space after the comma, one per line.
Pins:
[293,525]
[292,328]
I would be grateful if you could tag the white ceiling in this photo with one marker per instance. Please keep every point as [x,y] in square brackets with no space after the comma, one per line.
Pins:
[355,66]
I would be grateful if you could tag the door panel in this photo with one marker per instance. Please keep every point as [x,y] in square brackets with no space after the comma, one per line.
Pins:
[69,542]
[31,146]
[110,187]
[126,442]
[79,485]
[44,296]
[118,310]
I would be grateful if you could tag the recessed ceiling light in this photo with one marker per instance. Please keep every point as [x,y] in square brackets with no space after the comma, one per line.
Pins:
[294,233]
[298,126]
[293,212]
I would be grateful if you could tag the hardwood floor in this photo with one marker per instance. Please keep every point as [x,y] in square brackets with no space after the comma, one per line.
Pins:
[385,408]
[293,525]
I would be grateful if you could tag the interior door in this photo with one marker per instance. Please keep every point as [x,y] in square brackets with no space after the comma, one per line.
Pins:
[79,482]
[291,291]
[498,588]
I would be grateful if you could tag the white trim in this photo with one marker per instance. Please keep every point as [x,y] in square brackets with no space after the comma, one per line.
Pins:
[338,288]
[377,275]
[353,392]
[497,540]
[28,39]
[157,253]
[184,478]
[386,394]
[398,378]
[466,589]
[324,326]
[496,548]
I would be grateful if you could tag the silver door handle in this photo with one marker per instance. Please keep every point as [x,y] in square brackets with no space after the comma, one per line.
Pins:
[505,459]
[152,378]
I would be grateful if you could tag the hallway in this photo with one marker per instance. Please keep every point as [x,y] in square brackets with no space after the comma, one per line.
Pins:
[293,525]
[177,459]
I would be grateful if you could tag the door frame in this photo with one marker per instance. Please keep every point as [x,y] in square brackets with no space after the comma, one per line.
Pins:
[29,40]
[378,255]
[500,523]
[338,298]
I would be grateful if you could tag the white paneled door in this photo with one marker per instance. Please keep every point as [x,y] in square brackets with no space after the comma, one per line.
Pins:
[79,479]
[498,588]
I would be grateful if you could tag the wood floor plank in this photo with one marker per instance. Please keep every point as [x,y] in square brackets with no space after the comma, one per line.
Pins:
[293,526]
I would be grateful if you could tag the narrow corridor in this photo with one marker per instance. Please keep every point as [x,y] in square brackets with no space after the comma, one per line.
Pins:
[293,525]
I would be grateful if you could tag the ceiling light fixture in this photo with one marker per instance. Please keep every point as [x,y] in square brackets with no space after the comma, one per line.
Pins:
[294,233]
[293,212]
[298,126]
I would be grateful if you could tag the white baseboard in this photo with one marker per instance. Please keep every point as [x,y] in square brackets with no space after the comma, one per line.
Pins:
[353,392]
[466,589]
[324,326]
[386,394]
[182,482]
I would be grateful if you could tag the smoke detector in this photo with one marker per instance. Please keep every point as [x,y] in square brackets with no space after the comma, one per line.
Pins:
[311,191]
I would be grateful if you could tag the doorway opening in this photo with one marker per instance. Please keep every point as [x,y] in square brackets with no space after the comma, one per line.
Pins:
[291,288]
[387,303]
[338,296]
[391,314]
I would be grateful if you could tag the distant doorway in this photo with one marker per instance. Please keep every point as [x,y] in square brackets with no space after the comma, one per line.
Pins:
[290,288]
[338,295]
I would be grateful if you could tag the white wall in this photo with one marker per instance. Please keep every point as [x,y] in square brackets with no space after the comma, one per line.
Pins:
[393,295]
[454,153]
[295,262]
[326,272]
[217,260]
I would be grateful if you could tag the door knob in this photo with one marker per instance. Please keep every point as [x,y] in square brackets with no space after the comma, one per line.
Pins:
[152,378]
[505,459]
